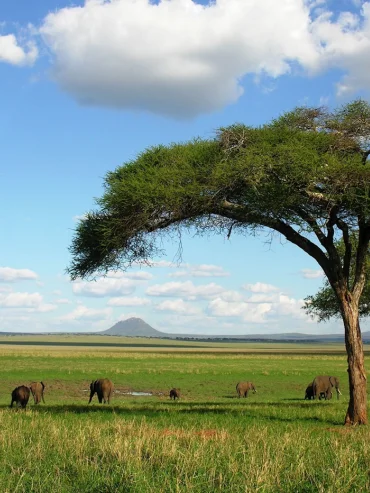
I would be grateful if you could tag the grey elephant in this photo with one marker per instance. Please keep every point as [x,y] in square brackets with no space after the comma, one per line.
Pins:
[323,384]
[104,388]
[37,390]
[20,396]
[243,388]
[175,394]
[310,395]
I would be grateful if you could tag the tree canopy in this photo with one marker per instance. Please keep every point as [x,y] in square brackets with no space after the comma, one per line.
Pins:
[297,175]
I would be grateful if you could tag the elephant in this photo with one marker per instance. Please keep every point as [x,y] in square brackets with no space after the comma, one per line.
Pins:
[243,388]
[323,384]
[175,393]
[309,392]
[20,396]
[310,395]
[104,388]
[37,390]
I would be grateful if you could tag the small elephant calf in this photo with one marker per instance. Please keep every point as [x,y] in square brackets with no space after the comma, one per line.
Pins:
[243,388]
[175,393]
[20,396]
[37,390]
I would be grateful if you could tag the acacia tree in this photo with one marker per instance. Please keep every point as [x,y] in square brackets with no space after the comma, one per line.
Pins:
[305,176]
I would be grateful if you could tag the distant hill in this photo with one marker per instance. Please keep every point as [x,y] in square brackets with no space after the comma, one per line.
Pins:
[136,327]
[133,327]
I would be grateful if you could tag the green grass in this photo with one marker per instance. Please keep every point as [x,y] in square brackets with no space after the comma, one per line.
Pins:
[208,441]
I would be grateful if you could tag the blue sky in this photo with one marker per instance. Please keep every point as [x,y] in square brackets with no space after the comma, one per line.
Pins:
[85,86]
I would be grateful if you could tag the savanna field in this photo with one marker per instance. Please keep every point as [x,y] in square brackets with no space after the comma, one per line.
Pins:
[207,441]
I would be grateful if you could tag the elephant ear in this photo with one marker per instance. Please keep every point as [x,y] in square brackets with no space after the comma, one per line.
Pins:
[332,380]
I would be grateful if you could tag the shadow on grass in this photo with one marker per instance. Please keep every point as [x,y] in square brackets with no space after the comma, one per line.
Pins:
[253,410]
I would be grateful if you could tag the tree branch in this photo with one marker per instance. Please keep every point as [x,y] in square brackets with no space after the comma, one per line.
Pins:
[348,249]
[362,251]
[241,214]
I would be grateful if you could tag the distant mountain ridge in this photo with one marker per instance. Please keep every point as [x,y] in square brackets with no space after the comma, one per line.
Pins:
[136,327]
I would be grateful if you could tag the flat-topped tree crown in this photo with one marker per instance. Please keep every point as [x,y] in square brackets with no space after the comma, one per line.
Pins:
[305,175]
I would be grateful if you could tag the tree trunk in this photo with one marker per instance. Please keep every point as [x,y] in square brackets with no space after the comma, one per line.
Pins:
[357,408]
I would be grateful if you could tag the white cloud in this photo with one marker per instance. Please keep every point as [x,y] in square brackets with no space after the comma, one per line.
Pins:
[177,306]
[129,301]
[289,306]
[203,270]
[82,312]
[11,52]
[8,274]
[62,301]
[260,287]
[20,300]
[140,275]
[254,313]
[178,58]
[345,43]
[312,274]
[30,302]
[185,290]
[258,307]
[104,287]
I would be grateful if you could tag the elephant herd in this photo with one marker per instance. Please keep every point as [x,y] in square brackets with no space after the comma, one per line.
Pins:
[103,388]
[320,388]
[21,394]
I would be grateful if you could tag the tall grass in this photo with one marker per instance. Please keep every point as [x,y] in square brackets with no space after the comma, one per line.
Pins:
[209,441]
[41,452]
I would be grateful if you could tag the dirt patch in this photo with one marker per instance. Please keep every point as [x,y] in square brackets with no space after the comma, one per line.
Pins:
[341,431]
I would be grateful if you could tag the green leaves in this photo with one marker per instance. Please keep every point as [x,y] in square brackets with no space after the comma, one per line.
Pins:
[289,175]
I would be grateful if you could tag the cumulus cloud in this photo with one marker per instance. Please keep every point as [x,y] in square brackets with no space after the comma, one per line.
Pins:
[258,308]
[260,287]
[178,306]
[203,270]
[11,52]
[176,57]
[249,312]
[129,301]
[30,302]
[140,275]
[104,287]
[345,43]
[82,312]
[182,58]
[312,274]
[185,290]
[20,300]
[62,301]
[8,274]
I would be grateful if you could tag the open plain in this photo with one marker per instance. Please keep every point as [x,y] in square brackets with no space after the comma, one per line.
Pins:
[207,441]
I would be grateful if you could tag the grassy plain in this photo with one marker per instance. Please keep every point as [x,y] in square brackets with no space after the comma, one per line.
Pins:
[208,441]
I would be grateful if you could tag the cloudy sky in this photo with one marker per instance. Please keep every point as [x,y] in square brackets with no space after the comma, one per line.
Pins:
[86,85]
